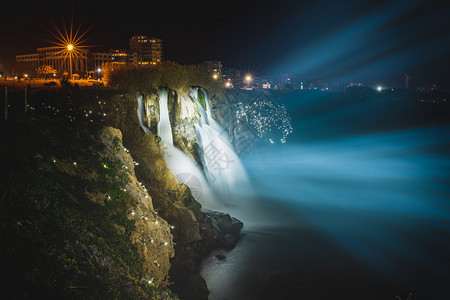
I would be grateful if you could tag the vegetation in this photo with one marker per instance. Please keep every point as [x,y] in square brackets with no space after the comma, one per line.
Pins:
[152,165]
[56,241]
[61,243]
[46,70]
[168,74]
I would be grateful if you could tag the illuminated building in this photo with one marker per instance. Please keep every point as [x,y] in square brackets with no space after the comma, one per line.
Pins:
[123,57]
[148,50]
[52,56]
[29,61]
[83,63]
[214,67]
[97,59]
[143,51]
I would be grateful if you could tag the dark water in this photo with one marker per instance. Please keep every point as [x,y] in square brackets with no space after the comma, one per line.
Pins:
[356,205]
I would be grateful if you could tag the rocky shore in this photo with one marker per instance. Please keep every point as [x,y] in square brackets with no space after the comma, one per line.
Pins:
[217,230]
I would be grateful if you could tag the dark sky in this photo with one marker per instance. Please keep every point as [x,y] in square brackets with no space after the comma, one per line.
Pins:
[370,41]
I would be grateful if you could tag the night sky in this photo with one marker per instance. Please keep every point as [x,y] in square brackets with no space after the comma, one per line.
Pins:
[368,41]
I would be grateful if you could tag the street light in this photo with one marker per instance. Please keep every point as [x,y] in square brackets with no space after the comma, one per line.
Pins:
[247,80]
[70,49]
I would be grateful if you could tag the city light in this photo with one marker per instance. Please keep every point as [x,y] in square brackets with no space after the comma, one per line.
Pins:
[379,88]
[69,42]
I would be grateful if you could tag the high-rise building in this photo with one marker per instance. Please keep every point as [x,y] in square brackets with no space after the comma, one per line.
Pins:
[213,66]
[148,50]
[123,57]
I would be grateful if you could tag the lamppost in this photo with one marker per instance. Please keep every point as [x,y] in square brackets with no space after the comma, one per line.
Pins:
[248,79]
[70,49]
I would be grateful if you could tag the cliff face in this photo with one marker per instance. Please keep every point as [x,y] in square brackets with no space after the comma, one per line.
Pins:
[183,114]
[195,232]
[151,235]
[84,218]
[76,222]
[252,118]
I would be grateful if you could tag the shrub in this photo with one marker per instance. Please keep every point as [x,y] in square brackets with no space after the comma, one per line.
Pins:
[169,74]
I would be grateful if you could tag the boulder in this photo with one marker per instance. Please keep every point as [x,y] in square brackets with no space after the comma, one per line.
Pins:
[229,241]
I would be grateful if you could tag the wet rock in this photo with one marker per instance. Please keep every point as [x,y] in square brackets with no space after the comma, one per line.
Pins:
[219,230]
[229,241]
[220,257]
[225,223]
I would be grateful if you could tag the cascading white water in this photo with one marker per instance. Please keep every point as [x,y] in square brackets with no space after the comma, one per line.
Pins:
[221,164]
[184,168]
[164,128]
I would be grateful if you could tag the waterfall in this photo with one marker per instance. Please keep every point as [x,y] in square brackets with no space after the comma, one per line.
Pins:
[164,128]
[222,168]
[221,164]
[183,167]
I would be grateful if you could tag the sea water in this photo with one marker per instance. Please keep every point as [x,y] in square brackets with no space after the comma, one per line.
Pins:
[356,205]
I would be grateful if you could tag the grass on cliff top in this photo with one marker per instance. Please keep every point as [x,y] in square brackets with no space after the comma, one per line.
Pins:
[55,241]
[168,74]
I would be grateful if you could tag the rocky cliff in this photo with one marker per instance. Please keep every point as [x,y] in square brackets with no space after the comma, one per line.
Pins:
[76,222]
[92,211]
